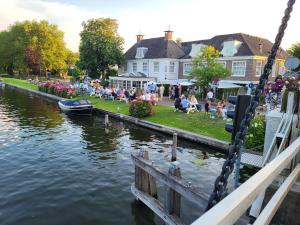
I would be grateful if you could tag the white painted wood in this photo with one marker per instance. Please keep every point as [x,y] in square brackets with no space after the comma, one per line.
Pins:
[231,208]
[270,209]
[156,207]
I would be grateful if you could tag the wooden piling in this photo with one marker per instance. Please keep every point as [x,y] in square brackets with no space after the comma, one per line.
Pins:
[144,181]
[174,147]
[106,121]
[173,199]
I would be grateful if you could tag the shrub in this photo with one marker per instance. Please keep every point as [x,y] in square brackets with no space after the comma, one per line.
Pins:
[256,133]
[140,109]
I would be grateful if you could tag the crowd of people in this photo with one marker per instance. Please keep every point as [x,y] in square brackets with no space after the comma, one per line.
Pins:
[190,103]
[154,93]
[149,93]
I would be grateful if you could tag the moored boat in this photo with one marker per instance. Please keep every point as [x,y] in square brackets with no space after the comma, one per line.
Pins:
[76,107]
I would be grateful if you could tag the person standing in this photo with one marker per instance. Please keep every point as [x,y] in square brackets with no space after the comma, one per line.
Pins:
[161,91]
[210,95]
[176,92]
[179,89]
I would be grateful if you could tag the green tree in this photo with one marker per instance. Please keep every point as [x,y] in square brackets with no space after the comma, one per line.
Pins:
[294,50]
[206,68]
[100,46]
[72,58]
[32,45]
[75,72]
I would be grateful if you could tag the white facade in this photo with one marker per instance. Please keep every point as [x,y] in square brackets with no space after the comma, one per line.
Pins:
[161,69]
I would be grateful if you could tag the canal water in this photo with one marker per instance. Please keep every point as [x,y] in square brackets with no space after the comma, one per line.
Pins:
[57,170]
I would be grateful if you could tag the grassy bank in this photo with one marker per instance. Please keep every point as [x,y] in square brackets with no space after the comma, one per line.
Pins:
[199,123]
[20,83]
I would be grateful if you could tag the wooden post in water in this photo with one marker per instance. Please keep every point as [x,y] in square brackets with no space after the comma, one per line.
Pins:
[173,199]
[174,147]
[106,121]
[143,181]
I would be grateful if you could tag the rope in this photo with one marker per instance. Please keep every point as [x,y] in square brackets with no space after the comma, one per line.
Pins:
[220,185]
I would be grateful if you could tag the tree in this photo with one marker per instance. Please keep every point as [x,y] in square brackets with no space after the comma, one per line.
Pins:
[206,68]
[294,50]
[72,58]
[100,46]
[32,45]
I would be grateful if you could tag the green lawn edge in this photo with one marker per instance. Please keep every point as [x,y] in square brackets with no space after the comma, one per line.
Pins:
[198,122]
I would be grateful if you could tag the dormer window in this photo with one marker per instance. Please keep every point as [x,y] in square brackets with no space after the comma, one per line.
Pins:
[230,48]
[141,52]
[196,49]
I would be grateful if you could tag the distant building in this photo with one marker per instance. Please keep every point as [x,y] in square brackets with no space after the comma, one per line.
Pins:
[167,61]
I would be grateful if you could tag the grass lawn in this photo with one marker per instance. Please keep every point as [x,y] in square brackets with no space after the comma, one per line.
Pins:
[197,122]
[20,83]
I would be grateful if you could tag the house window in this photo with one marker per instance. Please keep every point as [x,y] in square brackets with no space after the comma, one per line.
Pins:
[187,68]
[156,67]
[125,67]
[145,67]
[223,63]
[239,68]
[141,52]
[172,67]
[134,67]
[258,68]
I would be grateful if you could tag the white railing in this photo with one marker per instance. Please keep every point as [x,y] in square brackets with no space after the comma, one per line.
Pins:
[231,208]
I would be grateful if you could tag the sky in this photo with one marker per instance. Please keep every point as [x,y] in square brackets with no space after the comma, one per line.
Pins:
[189,19]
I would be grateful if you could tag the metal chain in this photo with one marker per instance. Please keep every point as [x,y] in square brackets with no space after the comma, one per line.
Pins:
[220,185]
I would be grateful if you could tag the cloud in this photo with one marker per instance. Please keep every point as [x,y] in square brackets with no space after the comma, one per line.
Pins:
[68,17]
[190,19]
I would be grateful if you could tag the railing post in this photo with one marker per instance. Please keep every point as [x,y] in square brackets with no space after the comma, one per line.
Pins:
[173,199]
[174,147]
[143,181]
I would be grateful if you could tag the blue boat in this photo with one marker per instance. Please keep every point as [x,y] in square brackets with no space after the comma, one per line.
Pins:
[76,107]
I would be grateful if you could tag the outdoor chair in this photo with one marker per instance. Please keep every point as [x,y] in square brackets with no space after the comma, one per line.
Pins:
[192,108]
[123,98]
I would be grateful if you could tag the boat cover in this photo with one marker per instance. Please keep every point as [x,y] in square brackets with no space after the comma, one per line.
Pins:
[75,102]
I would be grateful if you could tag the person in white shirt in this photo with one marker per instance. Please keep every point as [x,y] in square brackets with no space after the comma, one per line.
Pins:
[210,95]
[147,96]
[161,91]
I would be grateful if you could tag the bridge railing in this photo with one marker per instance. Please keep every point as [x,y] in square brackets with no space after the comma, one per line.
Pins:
[232,207]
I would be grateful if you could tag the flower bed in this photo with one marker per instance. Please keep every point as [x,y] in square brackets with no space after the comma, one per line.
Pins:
[140,109]
[59,89]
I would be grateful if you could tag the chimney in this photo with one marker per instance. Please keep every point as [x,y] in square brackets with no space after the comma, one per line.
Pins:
[168,35]
[260,47]
[139,37]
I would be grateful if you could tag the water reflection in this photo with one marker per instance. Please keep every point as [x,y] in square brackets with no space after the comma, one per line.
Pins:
[33,112]
[63,170]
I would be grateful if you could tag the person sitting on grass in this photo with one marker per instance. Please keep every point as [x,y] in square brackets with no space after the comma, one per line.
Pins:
[220,107]
[184,104]
[207,106]
[194,101]
[177,104]
[153,98]
[224,112]
[132,95]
